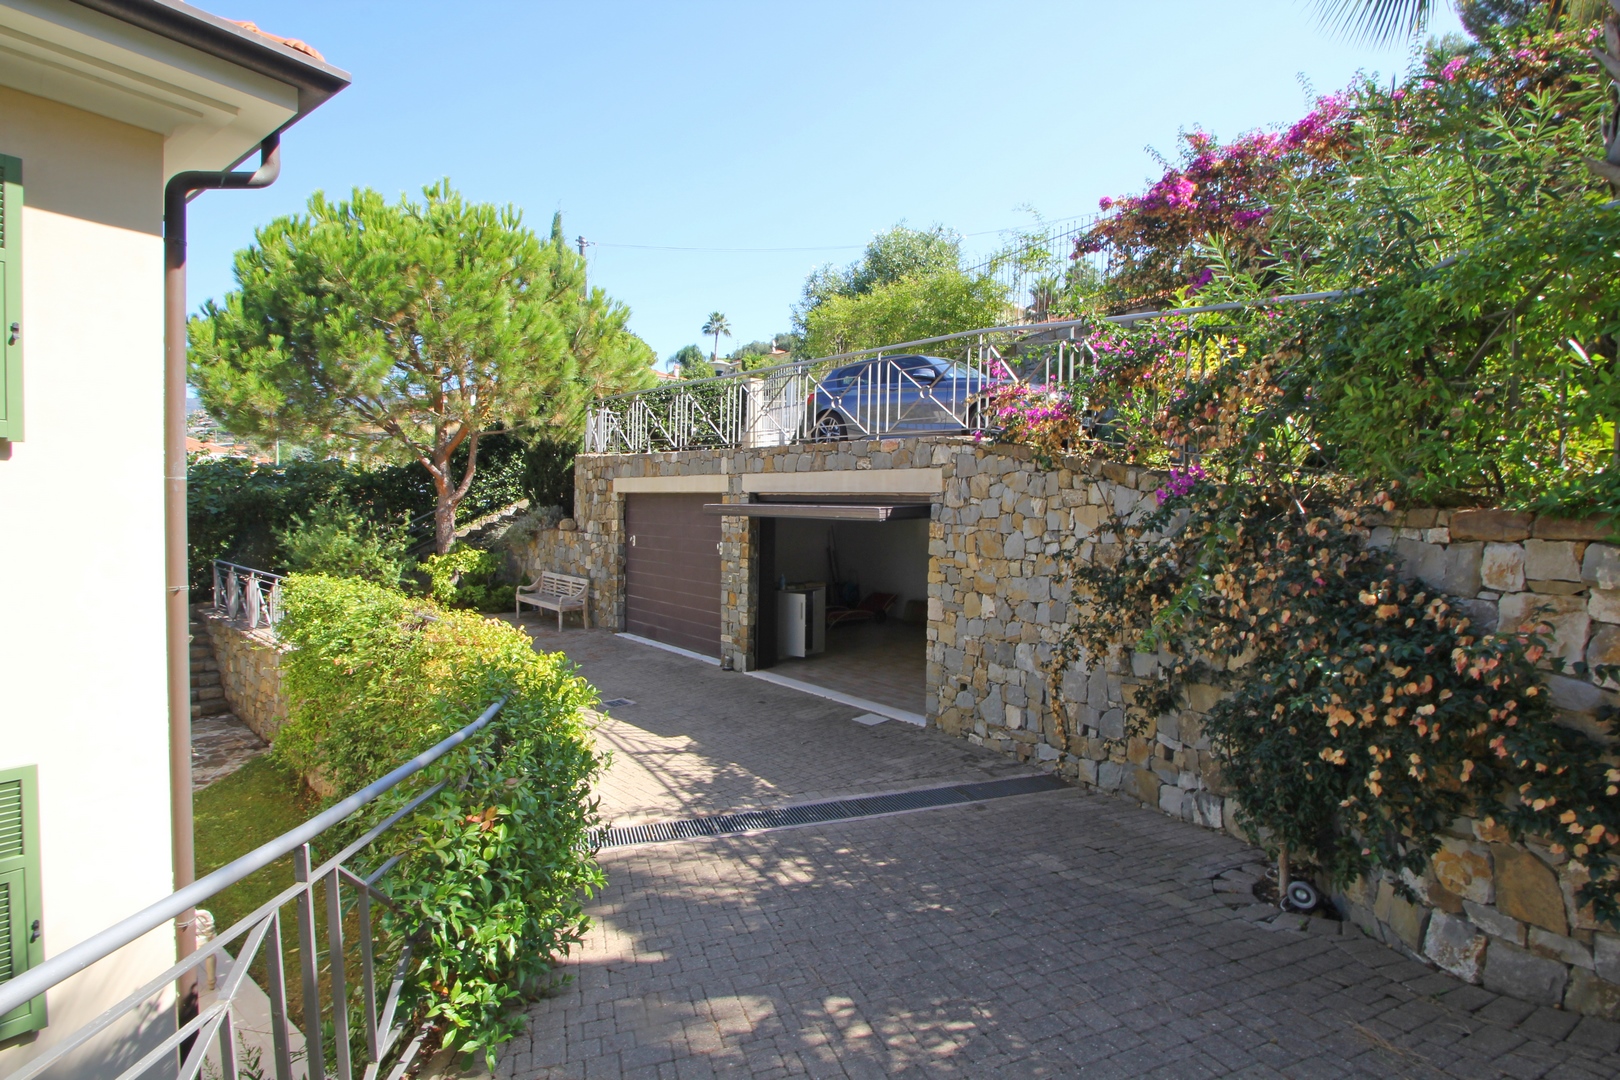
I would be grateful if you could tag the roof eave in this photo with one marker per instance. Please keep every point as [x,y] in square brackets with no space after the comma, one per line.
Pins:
[315,80]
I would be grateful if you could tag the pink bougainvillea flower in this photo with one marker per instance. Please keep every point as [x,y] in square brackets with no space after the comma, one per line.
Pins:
[1453,66]
[1105,203]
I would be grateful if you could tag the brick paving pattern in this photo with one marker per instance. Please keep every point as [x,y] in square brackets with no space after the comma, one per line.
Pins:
[699,740]
[1061,934]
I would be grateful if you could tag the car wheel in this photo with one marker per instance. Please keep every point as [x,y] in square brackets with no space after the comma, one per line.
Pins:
[829,428]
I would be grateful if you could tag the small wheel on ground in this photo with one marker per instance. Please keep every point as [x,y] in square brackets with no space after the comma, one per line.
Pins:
[1302,897]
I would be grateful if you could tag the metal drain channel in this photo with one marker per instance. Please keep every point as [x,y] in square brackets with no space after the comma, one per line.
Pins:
[661,832]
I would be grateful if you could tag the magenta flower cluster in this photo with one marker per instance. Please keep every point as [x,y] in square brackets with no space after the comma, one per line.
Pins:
[1215,183]
[1182,482]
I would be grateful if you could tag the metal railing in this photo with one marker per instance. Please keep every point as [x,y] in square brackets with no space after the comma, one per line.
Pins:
[212,1034]
[1035,267]
[249,598]
[869,393]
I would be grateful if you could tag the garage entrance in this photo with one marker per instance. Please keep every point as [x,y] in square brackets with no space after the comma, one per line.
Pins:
[672,571]
[843,595]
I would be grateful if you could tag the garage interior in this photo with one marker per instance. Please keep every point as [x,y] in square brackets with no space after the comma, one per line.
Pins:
[869,558]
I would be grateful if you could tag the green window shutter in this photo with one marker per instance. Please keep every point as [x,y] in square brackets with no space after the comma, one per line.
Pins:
[11,201]
[21,941]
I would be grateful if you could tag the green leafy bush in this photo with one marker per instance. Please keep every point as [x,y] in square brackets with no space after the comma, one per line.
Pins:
[235,508]
[340,543]
[494,867]
[1473,359]
[464,578]
[1363,713]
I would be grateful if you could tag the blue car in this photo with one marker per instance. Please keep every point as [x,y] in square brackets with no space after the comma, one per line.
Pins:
[905,395]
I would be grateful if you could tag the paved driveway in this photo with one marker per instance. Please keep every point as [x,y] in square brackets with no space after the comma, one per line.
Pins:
[1056,934]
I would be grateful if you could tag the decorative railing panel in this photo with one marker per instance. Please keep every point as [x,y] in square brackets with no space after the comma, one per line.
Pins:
[247,597]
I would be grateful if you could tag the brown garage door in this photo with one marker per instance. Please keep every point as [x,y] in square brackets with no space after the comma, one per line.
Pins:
[672,571]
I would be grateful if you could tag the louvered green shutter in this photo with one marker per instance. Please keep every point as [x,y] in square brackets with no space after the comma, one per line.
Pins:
[11,200]
[21,922]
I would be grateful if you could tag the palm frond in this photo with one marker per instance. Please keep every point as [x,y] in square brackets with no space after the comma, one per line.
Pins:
[1378,22]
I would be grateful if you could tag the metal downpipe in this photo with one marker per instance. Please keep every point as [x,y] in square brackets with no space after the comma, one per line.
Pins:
[177,611]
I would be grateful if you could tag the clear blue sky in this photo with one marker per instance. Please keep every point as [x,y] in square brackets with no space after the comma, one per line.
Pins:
[769,124]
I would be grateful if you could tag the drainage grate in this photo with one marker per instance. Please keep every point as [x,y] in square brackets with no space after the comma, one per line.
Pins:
[660,832]
[614,703]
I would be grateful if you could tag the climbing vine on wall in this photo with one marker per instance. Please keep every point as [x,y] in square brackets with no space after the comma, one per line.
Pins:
[1362,713]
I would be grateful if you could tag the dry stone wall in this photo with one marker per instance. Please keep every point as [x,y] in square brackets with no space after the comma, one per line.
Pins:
[250,673]
[1490,911]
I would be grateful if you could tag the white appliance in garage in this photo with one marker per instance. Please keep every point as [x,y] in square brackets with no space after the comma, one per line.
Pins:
[801,620]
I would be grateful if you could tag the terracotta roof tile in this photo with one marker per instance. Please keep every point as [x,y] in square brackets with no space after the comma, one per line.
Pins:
[291,43]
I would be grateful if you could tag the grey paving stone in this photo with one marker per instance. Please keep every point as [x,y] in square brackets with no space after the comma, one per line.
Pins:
[1031,936]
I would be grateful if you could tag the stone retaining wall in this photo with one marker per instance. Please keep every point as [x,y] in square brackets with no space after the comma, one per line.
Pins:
[1490,911]
[250,672]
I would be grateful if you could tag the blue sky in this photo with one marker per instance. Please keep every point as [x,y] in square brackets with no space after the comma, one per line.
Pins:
[768,125]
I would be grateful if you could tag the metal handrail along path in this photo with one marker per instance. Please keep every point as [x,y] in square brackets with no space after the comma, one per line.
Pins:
[215,1024]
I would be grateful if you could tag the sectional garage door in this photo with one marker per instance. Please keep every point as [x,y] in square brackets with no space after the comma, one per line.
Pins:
[672,571]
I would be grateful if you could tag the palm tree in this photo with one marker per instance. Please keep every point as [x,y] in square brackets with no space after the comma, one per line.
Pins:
[717,325]
[1384,21]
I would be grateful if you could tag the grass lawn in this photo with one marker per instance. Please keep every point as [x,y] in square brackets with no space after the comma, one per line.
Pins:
[252,806]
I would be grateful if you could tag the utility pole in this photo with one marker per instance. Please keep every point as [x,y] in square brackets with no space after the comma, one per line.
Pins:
[583,244]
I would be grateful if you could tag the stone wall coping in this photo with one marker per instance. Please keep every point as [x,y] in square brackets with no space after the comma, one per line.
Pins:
[701,484]
[1500,526]
[926,481]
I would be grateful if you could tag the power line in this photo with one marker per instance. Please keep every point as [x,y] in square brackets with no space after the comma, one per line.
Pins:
[772,250]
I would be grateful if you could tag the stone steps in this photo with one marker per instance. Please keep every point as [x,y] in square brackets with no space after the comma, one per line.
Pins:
[207,694]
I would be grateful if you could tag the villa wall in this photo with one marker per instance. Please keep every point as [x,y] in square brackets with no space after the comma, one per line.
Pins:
[1490,911]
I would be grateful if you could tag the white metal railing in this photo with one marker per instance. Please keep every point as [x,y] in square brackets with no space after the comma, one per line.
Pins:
[870,393]
[247,597]
[213,1035]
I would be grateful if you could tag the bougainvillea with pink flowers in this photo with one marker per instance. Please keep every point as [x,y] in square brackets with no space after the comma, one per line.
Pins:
[1235,195]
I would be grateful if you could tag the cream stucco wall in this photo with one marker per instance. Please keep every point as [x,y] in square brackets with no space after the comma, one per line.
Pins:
[81,543]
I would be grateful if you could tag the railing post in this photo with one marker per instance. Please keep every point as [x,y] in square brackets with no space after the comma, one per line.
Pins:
[276,989]
[314,1052]
[368,972]
[335,967]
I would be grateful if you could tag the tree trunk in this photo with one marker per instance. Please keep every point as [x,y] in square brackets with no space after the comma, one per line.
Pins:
[450,493]
[444,520]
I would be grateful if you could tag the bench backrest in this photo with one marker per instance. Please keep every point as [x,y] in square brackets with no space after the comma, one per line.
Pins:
[552,584]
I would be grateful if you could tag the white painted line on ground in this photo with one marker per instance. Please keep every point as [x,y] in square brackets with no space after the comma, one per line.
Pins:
[870,719]
[671,648]
[844,699]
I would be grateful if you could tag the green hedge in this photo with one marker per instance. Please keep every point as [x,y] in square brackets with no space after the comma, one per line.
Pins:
[495,867]
[235,508]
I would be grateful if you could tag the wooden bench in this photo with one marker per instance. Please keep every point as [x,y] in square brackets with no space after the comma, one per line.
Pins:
[556,592]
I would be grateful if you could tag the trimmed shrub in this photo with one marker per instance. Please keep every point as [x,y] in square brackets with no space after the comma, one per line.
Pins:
[494,868]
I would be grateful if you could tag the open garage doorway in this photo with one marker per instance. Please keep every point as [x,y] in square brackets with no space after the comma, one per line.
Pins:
[844,602]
